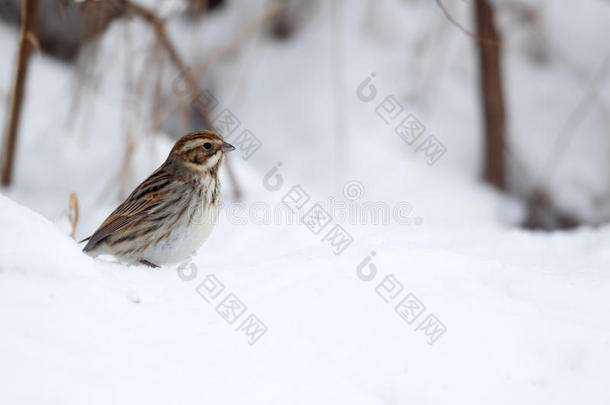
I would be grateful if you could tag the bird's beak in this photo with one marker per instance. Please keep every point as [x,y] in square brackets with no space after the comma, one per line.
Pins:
[227,147]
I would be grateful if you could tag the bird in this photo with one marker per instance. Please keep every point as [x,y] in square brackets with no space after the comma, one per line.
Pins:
[170,214]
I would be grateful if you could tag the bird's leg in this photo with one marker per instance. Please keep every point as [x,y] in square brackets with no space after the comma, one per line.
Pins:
[149,264]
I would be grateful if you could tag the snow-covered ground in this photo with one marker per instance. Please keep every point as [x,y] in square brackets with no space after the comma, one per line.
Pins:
[455,305]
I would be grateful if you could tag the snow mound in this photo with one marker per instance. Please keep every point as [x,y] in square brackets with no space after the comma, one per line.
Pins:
[344,329]
[31,244]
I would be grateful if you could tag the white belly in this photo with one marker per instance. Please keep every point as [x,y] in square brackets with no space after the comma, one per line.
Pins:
[184,240]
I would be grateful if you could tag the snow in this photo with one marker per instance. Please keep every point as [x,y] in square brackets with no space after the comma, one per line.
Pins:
[534,328]
[526,313]
[83,330]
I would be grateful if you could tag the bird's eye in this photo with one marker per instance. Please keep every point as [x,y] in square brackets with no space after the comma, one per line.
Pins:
[207,145]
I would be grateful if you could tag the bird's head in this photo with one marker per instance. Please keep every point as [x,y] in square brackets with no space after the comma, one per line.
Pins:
[201,150]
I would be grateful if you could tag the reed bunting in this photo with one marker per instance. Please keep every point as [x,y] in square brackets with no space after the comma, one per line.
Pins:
[171,213]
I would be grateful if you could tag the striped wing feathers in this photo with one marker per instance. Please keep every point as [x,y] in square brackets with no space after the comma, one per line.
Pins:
[141,203]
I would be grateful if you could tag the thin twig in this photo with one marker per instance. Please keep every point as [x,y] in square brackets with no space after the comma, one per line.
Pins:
[576,117]
[275,8]
[159,27]
[461,27]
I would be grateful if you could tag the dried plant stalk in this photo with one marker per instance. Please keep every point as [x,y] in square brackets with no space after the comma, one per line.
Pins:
[73,213]
[27,42]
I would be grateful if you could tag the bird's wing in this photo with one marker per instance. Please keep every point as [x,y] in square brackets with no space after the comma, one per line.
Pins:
[142,201]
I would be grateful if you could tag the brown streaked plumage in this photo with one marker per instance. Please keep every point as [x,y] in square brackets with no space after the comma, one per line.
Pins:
[171,213]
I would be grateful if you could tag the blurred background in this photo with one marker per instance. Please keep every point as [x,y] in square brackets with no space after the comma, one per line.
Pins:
[512,95]
[462,145]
